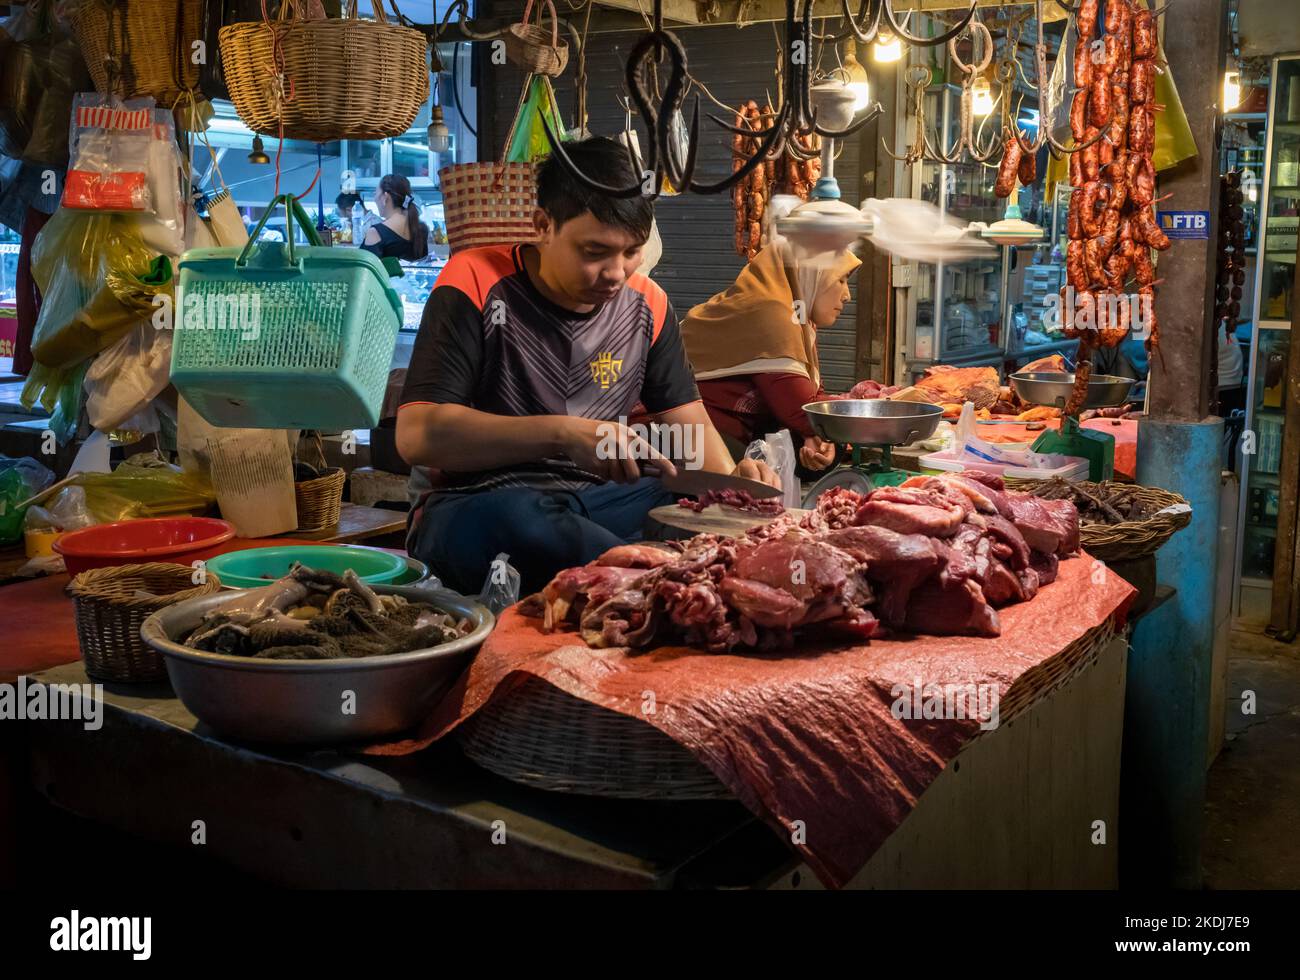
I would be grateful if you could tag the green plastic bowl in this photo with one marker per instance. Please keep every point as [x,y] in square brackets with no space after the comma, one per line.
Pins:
[256,567]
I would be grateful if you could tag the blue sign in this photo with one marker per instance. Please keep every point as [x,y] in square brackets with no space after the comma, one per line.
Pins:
[1185,224]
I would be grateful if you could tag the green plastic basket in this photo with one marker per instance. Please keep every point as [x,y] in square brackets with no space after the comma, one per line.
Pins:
[278,336]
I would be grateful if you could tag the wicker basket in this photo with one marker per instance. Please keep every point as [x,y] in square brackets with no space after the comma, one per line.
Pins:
[140,47]
[535,49]
[537,735]
[320,501]
[1127,540]
[343,78]
[110,608]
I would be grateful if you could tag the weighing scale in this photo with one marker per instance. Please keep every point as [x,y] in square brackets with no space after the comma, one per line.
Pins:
[1053,389]
[867,424]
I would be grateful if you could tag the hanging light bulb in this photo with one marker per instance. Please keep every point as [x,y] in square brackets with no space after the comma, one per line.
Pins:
[439,134]
[258,155]
[1231,90]
[887,48]
[981,97]
[856,80]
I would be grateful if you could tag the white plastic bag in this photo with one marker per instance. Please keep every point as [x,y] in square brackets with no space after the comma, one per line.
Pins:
[501,587]
[776,449]
[123,380]
[109,149]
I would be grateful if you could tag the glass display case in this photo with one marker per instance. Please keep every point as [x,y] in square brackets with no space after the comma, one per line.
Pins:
[1270,343]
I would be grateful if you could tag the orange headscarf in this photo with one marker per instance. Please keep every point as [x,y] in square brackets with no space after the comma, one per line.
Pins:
[756,319]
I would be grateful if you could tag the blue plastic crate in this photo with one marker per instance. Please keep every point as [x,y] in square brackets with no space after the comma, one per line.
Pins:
[278,336]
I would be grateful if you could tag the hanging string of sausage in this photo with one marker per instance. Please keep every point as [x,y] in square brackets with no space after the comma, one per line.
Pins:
[1111,225]
[795,171]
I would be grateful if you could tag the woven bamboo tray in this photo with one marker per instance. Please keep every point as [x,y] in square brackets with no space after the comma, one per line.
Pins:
[1128,540]
[538,735]
[343,78]
[111,606]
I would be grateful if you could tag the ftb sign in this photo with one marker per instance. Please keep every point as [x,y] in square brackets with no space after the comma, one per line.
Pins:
[1185,224]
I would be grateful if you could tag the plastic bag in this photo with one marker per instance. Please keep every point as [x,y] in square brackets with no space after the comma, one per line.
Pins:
[98,279]
[41,70]
[528,141]
[109,151]
[123,381]
[20,479]
[501,587]
[67,510]
[144,486]
[776,449]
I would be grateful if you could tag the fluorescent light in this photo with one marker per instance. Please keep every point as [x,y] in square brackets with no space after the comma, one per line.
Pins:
[1231,90]
[982,101]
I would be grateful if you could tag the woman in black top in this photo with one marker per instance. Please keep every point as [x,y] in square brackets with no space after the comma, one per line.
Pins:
[401,234]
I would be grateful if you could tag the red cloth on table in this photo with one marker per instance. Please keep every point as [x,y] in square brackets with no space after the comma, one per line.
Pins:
[748,406]
[37,617]
[807,735]
[28,301]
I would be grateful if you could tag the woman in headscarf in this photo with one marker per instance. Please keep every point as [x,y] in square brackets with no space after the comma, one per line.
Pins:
[754,346]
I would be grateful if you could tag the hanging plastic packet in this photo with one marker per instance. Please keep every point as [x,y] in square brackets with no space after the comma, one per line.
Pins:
[501,587]
[681,142]
[110,144]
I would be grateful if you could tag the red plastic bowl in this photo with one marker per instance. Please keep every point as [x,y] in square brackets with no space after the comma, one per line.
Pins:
[170,539]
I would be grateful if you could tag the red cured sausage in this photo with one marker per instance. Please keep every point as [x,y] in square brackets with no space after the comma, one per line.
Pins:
[1119,109]
[1095,254]
[1008,168]
[1079,115]
[1142,81]
[1077,178]
[1091,194]
[1073,221]
[1075,271]
[1144,34]
[1144,270]
[1027,170]
[1086,23]
[1146,226]
[1091,156]
[1082,66]
[1141,130]
[1099,101]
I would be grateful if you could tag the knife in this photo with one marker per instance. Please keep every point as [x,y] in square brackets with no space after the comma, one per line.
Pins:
[695,483]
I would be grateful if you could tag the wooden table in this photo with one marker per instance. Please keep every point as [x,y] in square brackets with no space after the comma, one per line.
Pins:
[358,523]
[1006,813]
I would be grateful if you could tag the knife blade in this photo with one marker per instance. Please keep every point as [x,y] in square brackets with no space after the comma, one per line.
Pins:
[694,483]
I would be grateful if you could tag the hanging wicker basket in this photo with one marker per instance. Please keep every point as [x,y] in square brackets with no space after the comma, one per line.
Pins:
[1127,540]
[111,605]
[535,49]
[320,501]
[341,79]
[140,47]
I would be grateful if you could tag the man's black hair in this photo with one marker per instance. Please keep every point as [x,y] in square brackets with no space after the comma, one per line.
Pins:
[345,201]
[604,160]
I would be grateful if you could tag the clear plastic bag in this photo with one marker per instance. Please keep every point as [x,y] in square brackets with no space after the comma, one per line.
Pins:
[501,587]
[109,147]
[123,381]
[776,449]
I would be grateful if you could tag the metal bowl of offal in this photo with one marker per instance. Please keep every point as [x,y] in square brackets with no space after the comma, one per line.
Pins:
[313,702]
[873,421]
[1053,388]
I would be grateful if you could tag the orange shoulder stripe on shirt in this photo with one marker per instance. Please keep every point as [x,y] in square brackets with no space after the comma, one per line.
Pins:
[476,270]
[655,297]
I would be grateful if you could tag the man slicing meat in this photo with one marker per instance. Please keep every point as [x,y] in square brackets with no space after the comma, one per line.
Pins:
[527,355]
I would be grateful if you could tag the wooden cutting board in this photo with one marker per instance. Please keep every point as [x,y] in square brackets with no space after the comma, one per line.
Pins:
[671,522]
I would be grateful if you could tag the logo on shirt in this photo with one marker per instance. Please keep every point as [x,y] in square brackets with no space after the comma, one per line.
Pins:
[605,370]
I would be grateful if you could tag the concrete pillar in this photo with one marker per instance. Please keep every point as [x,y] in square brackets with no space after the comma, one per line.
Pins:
[1166,717]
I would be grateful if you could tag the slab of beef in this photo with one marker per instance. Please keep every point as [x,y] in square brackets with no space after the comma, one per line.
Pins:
[955,608]
[1049,526]
[895,563]
[910,511]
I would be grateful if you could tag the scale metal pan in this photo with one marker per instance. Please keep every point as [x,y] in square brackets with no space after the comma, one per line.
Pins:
[1053,388]
[873,421]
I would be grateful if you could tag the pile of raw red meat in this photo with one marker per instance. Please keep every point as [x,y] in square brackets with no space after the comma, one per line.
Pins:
[936,555]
